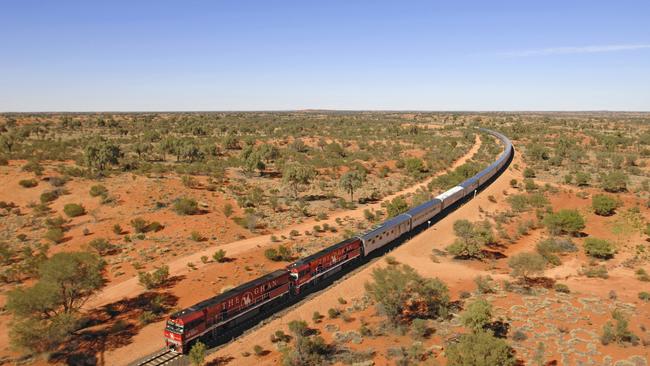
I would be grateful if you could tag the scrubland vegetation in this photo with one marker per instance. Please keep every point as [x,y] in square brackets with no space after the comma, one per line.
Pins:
[94,200]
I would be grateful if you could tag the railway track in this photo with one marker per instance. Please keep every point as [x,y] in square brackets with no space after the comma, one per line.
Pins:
[164,357]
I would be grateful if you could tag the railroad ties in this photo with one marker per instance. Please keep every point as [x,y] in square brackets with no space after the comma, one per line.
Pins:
[166,358]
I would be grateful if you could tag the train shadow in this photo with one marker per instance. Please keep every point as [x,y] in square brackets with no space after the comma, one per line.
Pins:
[267,313]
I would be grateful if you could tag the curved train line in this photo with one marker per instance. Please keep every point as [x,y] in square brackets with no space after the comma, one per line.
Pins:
[219,316]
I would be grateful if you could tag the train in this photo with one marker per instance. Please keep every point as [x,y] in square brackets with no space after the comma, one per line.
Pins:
[218,314]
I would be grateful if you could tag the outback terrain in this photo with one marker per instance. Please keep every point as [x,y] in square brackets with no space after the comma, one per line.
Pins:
[110,222]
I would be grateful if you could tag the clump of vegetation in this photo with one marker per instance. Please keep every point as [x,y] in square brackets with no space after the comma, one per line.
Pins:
[155,279]
[477,315]
[98,190]
[564,222]
[642,275]
[560,287]
[402,294]
[599,248]
[484,284]
[102,246]
[524,265]
[604,205]
[47,313]
[54,234]
[74,210]
[307,350]
[28,183]
[551,247]
[480,348]
[282,253]
[186,206]
[470,238]
[219,256]
[197,354]
[618,332]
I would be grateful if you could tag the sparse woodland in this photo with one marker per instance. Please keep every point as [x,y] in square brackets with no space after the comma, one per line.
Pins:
[553,264]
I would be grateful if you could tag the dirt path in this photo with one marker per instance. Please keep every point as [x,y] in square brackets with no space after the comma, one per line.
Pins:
[131,287]
[415,253]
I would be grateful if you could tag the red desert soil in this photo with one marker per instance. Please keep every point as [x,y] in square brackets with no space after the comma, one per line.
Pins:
[248,251]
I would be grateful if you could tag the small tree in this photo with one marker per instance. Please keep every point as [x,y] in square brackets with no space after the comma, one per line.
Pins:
[477,315]
[102,246]
[397,206]
[526,264]
[155,279]
[480,349]
[351,181]
[296,175]
[604,205]
[599,248]
[197,354]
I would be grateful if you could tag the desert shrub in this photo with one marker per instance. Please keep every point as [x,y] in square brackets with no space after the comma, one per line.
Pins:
[139,225]
[185,206]
[484,284]
[258,350]
[604,205]
[564,221]
[57,181]
[48,196]
[33,167]
[469,239]
[549,248]
[117,229]
[529,173]
[419,328]
[642,275]
[396,206]
[615,181]
[599,248]
[518,202]
[155,279]
[560,287]
[196,236]
[395,286]
[391,260]
[582,179]
[618,332]
[524,265]
[147,317]
[595,271]
[513,183]
[228,210]
[480,349]
[298,327]
[219,256]
[74,210]
[197,354]
[333,313]
[316,317]
[28,183]
[54,234]
[154,226]
[477,314]
[102,246]
[98,190]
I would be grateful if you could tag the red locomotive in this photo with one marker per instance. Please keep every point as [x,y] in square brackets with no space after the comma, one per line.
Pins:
[328,261]
[225,311]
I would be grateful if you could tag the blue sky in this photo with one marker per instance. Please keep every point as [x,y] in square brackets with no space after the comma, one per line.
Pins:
[277,55]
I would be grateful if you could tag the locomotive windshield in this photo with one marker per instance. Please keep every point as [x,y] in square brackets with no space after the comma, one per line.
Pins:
[174,328]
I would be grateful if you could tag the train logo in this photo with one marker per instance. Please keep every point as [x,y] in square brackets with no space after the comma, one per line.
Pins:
[247,298]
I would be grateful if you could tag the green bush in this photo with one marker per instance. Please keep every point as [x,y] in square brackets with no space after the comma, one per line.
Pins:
[139,225]
[28,183]
[219,256]
[526,264]
[604,205]
[54,234]
[645,296]
[49,196]
[98,190]
[155,279]
[595,272]
[642,275]
[599,248]
[186,206]
[529,173]
[74,210]
[102,246]
[480,349]
[565,221]
[615,181]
